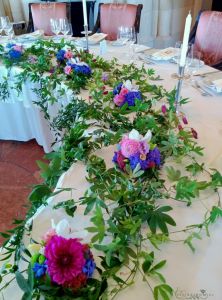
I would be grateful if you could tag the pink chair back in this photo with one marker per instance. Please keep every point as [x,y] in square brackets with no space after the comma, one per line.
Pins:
[42,13]
[208,38]
[115,15]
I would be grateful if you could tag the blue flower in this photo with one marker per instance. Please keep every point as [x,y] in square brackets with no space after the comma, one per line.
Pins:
[132,96]
[14,54]
[10,45]
[114,157]
[60,55]
[81,69]
[134,160]
[89,267]
[117,88]
[39,269]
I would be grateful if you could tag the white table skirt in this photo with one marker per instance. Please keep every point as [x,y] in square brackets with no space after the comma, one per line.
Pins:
[188,273]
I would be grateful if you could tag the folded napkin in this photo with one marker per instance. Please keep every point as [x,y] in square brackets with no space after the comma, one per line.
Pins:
[217,85]
[97,37]
[165,54]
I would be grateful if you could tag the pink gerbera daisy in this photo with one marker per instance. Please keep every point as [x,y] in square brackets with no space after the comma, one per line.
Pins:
[65,259]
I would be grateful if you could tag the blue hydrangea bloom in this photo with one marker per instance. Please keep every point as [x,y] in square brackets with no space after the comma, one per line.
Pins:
[117,88]
[10,45]
[14,54]
[132,96]
[60,55]
[39,269]
[89,267]
[81,69]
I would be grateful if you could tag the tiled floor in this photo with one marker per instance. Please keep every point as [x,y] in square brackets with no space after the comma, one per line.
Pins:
[18,172]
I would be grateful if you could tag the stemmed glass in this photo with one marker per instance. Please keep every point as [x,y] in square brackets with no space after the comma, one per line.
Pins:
[55,26]
[193,61]
[64,26]
[9,31]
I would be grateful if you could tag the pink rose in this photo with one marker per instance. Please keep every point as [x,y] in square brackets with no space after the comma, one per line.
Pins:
[48,235]
[68,54]
[123,92]
[118,100]
[17,48]
[129,147]
[68,70]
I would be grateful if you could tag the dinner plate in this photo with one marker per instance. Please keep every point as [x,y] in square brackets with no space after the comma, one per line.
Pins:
[209,82]
[119,43]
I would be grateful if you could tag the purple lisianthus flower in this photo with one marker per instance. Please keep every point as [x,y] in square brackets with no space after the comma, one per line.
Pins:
[117,88]
[39,269]
[134,160]
[14,54]
[131,96]
[60,55]
[81,69]
[105,77]
[154,156]
[89,267]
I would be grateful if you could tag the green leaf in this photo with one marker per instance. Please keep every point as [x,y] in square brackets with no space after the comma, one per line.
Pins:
[172,174]
[22,283]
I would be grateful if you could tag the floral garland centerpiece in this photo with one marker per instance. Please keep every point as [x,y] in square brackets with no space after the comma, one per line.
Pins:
[73,64]
[137,152]
[126,93]
[62,265]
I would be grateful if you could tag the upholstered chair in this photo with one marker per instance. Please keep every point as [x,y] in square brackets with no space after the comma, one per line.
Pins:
[111,16]
[208,38]
[41,13]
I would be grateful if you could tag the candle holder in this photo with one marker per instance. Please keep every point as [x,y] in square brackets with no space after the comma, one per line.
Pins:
[86,32]
[180,77]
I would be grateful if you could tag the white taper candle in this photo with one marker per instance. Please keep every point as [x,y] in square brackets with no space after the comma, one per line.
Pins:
[185,40]
[84,12]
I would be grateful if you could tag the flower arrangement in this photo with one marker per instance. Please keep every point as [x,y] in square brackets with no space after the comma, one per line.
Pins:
[15,51]
[73,64]
[136,150]
[61,262]
[126,93]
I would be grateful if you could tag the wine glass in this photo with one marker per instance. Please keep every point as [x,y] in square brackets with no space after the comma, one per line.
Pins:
[4,21]
[193,61]
[178,47]
[132,41]
[55,26]
[9,31]
[65,26]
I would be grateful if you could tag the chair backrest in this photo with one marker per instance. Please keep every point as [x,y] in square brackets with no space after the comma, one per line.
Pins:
[208,39]
[41,13]
[113,15]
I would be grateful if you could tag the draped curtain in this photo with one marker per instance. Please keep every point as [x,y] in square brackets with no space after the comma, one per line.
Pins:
[13,9]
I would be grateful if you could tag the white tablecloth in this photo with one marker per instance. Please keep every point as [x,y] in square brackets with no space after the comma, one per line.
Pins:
[192,275]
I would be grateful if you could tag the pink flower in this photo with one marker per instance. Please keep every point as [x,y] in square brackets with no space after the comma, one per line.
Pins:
[144,147]
[18,48]
[194,133]
[68,54]
[65,259]
[185,120]
[123,92]
[68,70]
[118,100]
[48,235]
[129,147]
[164,109]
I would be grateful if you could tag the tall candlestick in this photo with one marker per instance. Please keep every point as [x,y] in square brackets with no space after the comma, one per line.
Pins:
[84,13]
[185,40]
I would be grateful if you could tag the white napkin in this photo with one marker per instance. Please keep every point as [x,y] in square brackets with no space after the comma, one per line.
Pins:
[165,54]
[218,85]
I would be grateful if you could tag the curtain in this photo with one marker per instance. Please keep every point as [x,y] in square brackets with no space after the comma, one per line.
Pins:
[13,9]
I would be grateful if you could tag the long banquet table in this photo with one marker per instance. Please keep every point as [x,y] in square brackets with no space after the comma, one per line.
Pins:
[192,275]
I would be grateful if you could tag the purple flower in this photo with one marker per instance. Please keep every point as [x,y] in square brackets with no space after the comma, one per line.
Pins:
[134,160]
[185,120]
[152,159]
[89,267]
[39,269]
[154,156]
[131,96]
[60,55]
[105,77]
[164,109]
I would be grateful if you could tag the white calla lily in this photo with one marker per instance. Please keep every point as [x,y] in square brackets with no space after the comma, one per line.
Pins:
[134,135]
[147,136]
[63,228]
[128,85]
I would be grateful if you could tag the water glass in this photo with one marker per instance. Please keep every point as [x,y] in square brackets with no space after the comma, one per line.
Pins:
[178,46]
[4,21]
[64,26]
[9,31]
[193,61]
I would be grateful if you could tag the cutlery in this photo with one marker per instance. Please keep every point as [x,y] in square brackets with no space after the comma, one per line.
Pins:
[203,93]
[147,60]
[207,73]
[204,89]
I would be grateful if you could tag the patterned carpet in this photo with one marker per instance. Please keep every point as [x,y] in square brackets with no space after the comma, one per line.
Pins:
[18,172]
